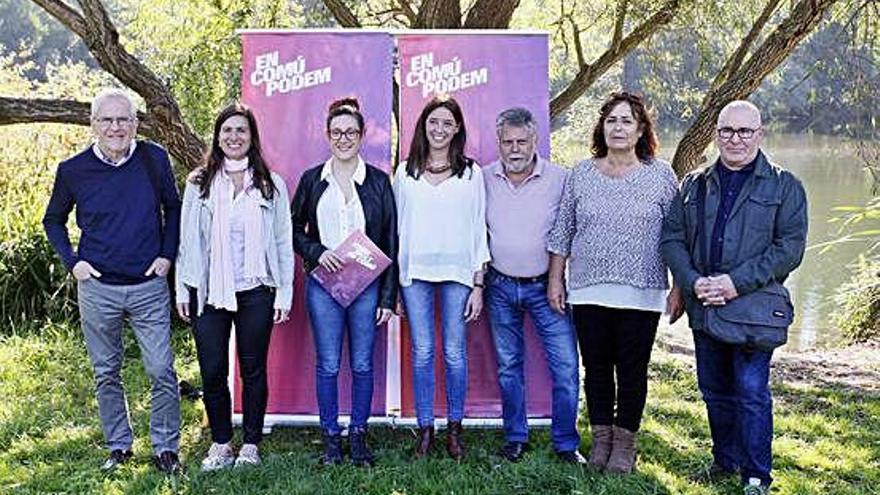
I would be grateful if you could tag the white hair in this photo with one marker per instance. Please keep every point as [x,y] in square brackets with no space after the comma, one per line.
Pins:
[740,105]
[108,93]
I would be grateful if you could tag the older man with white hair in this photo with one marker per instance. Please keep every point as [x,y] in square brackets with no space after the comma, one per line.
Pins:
[128,211]
[736,227]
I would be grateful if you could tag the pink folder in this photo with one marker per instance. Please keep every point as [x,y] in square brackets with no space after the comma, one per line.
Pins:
[363,263]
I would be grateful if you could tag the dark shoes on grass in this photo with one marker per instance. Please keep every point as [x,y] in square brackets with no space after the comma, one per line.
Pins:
[116,458]
[513,451]
[361,455]
[167,462]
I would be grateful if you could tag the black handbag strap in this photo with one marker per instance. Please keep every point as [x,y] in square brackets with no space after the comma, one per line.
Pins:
[152,173]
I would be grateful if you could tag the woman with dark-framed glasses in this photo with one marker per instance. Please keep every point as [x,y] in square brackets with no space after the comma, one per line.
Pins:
[333,200]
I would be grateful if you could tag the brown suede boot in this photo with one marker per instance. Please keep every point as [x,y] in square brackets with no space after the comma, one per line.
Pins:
[454,445]
[623,451]
[424,442]
[601,446]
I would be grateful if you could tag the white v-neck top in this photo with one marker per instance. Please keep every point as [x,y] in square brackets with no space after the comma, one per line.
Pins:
[442,228]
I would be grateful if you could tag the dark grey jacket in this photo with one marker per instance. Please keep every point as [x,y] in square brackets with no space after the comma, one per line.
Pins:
[764,239]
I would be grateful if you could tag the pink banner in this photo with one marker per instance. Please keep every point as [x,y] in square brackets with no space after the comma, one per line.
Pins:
[486,73]
[289,80]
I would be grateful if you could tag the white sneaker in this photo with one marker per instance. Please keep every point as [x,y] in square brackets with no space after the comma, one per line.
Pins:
[249,455]
[220,455]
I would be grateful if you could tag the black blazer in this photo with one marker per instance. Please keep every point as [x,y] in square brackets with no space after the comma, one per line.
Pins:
[380,215]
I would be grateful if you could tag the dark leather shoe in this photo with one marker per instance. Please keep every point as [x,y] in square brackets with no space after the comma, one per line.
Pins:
[572,457]
[167,462]
[513,451]
[424,442]
[332,450]
[116,458]
[454,445]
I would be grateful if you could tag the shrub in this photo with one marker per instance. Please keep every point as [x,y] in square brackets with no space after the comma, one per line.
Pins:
[857,312]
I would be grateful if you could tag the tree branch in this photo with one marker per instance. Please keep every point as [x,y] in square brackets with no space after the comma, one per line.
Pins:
[342,14]
[588,73]
[407,9]
[491,14]
[618,24]
[803,19]
[735,61]
[66,15]
[578,47]
[29,111]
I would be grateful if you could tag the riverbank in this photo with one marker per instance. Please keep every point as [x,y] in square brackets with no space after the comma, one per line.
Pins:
[827,434]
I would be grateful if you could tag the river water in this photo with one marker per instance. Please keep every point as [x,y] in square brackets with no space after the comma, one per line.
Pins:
[833,176]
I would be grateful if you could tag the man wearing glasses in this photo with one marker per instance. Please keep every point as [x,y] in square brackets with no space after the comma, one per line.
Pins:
[755,214]
[128,212]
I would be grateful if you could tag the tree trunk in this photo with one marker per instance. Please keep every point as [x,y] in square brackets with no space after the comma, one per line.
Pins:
[745,79]
[491,14]
[439,14]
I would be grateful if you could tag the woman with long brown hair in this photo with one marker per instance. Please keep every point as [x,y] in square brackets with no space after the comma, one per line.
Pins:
[441,204]
[234,265]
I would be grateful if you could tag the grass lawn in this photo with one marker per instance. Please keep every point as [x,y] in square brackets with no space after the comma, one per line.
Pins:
[827,439]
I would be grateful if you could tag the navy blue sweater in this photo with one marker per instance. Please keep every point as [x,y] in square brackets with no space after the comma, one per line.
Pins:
[118,212]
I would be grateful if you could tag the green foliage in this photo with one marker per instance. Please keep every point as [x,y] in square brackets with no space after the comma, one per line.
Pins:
[193,46]
[50,440]
[857,303]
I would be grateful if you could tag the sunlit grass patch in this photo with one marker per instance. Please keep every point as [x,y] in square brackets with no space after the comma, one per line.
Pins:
[827,440]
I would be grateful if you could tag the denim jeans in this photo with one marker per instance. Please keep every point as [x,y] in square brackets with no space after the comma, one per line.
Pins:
[329,322]
[103,308]
[735,386]
[419,301]
[615,343]
[253,328]
[508,300]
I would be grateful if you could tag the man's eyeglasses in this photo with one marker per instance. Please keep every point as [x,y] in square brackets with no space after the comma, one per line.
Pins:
[106,122]
[726,133]
[350,134]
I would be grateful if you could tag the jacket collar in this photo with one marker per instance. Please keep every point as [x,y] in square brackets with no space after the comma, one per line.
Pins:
[762,167]
[360,171]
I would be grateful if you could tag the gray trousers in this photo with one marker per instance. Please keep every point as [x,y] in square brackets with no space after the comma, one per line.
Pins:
[102,309]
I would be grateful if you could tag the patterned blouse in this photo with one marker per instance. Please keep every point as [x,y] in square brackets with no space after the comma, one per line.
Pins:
[609,227]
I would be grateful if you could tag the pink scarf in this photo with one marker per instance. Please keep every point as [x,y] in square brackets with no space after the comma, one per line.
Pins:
[221,276]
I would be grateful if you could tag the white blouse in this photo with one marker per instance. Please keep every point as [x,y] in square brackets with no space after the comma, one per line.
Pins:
[337,219]
[442,228]
[237,219]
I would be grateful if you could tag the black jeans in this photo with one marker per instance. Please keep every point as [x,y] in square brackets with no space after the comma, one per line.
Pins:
[253,327]
[615,341]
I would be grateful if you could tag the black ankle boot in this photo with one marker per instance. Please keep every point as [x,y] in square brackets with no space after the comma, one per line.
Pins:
[361,455]
[332,450]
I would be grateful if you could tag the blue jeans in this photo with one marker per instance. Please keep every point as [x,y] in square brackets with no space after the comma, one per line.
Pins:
[329,322]
[419,301]
[735,386]
[508,300]
[103,308]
